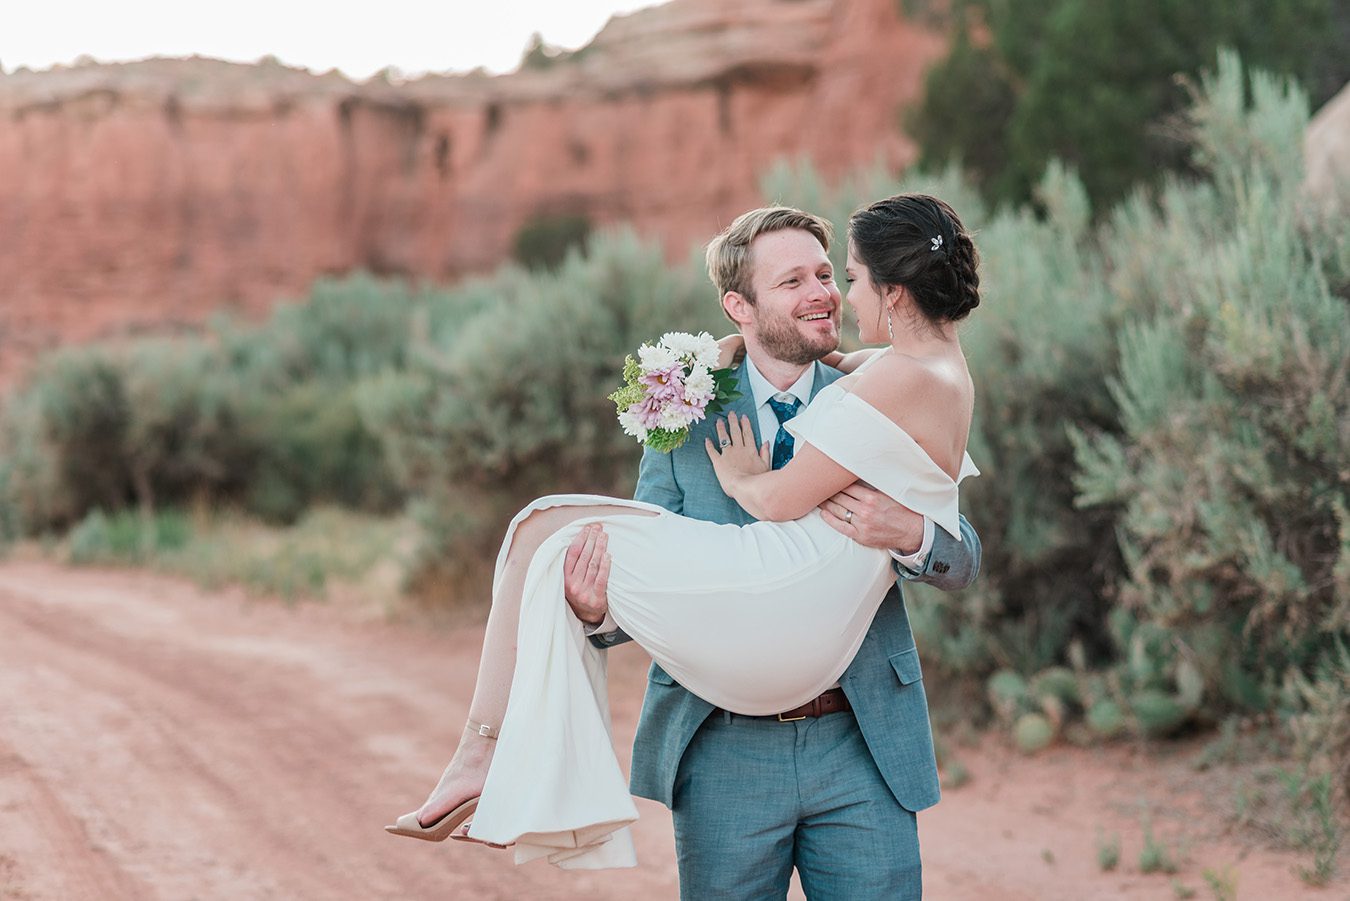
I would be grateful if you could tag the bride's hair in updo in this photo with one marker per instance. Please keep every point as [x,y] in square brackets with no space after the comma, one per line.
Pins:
[916,241]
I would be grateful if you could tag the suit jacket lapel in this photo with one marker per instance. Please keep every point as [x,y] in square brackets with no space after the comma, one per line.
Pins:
[745,404]
[824,376]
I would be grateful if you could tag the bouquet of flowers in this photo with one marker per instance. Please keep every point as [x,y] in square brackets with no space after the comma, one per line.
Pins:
[670,386]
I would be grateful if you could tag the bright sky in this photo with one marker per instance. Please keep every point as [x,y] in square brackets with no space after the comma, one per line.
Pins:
[416,36]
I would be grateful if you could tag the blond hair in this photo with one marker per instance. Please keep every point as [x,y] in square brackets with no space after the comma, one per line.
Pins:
[728,255]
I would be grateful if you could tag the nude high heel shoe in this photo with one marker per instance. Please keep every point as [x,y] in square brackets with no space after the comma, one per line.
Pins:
[437,831]
[440,830]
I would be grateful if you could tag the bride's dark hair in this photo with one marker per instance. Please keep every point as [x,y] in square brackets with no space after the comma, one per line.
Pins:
[917,242]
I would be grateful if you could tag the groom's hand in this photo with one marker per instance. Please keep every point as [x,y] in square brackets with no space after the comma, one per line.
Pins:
[586,574]
[876,521]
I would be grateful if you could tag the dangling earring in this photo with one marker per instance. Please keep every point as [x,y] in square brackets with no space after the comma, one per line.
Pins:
[890,329]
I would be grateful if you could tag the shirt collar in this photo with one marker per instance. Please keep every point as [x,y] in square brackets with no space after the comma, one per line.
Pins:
[762,390]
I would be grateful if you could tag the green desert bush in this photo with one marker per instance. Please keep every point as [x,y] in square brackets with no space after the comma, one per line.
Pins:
[1227,469]
[544,241]
[311,443]
[185,434]
[1108,850]
[345,330]
[126,537]
[1222,882]
[1033,732]
[260,416]
[81,417]
[101,428]
[1154,855]
[30,486]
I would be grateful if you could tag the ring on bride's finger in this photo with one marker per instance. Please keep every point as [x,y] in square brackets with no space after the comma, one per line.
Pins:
[848,517]
[725,442]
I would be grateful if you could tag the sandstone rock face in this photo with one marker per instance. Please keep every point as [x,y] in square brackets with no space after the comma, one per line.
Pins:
[145,195]
[1326,149]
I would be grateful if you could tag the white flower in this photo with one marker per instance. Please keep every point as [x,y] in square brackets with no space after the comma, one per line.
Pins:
[655,359]
[699,386]
[673,419]
[682,344]
[632,425]
[706,350]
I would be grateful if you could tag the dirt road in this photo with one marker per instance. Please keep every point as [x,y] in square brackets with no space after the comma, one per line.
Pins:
[162,742]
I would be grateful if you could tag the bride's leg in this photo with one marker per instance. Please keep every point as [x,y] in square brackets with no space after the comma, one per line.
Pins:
[466,773]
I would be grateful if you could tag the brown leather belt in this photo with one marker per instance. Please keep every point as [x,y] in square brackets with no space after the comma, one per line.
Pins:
[832,701]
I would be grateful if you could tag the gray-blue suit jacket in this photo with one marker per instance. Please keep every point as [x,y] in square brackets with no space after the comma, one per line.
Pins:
[884,683]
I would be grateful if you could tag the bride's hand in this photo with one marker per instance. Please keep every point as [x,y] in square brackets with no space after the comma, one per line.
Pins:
[737,456]
[732,349]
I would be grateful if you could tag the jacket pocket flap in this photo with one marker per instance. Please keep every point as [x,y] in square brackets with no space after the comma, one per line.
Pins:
[660,676]
[906,665]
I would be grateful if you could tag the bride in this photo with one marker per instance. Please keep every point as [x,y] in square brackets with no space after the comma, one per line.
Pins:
[535,767]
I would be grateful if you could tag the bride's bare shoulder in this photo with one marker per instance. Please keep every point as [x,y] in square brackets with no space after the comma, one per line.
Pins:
[898,384]
[930,398]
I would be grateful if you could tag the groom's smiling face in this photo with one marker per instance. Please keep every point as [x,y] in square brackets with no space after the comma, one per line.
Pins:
[795,308]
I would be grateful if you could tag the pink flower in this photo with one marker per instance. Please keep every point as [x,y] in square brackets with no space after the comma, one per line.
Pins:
[648,412]
[664,384]
[693,411]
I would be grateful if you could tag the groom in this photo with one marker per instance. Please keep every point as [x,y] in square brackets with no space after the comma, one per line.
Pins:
[832,787]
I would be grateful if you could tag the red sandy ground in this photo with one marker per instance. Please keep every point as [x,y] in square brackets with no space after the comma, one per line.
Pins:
[159,741]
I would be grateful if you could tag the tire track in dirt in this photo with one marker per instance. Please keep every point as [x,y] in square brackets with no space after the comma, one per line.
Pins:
[43,820]
[181,712]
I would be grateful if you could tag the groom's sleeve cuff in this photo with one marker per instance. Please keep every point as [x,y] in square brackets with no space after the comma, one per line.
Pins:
[916,561]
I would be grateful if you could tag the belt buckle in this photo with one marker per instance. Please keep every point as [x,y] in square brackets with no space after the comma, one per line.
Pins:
[790,719]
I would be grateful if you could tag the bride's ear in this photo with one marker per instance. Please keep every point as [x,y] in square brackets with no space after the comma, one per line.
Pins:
[895,297]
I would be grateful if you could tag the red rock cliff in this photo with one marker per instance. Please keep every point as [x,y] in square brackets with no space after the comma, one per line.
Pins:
[148,194]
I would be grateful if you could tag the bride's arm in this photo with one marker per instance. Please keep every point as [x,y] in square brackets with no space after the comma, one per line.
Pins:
[896,390]
[767,494]
[732,349]
[850,361]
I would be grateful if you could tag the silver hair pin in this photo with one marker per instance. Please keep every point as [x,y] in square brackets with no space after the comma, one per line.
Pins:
[937,243]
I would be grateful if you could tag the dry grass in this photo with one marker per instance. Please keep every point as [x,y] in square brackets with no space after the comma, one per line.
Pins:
[331,554]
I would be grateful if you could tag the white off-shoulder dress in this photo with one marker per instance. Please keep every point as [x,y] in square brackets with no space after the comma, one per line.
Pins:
[792,602]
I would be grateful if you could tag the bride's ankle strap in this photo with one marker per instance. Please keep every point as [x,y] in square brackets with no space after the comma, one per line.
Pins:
[483,730]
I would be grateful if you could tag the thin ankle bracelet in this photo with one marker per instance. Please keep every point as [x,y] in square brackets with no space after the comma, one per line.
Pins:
[484,730]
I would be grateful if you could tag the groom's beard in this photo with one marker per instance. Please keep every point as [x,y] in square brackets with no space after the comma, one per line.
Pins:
[783,340]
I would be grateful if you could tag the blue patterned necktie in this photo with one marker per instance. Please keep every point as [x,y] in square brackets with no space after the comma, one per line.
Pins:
[782,442]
